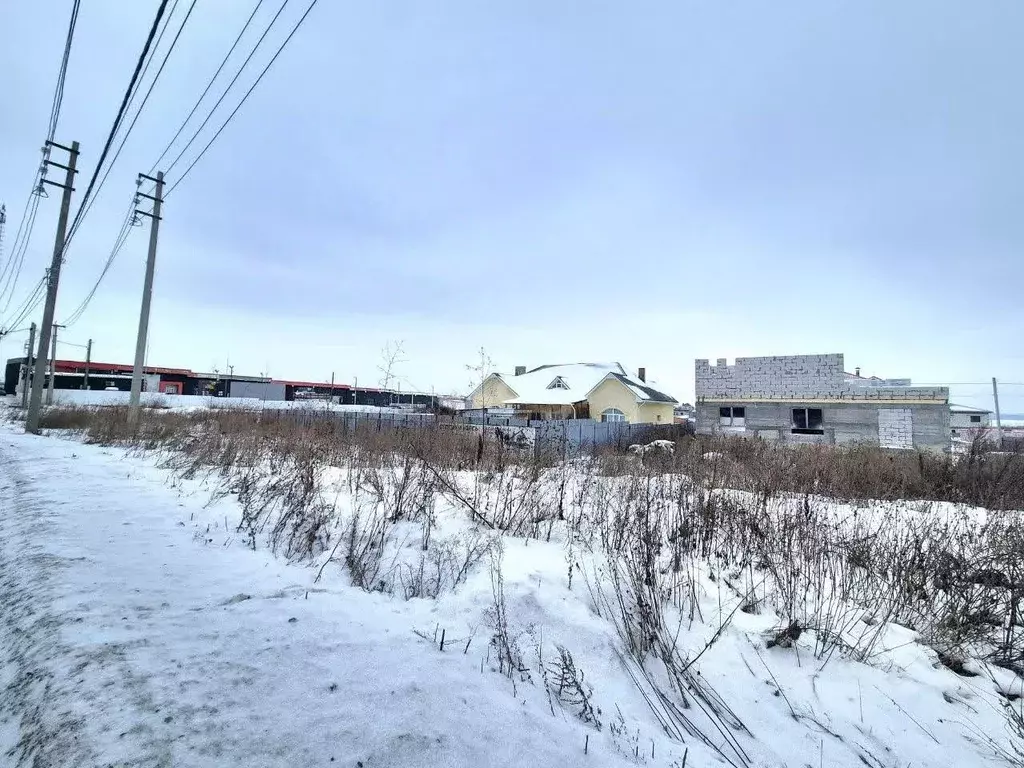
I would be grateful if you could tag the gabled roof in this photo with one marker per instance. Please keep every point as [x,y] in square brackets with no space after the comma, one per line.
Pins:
[534,387]
[644,392]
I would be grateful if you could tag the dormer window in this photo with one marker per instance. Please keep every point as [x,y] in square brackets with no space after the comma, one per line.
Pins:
[558,383]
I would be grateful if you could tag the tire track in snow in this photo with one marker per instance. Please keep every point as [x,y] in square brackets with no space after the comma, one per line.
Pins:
[53,682]
[33,732]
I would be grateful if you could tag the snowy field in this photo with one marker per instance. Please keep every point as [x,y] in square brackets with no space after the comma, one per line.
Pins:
[146,622]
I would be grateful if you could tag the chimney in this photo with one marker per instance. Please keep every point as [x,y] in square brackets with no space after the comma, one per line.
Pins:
[641,374]
[856,371]
[520,370]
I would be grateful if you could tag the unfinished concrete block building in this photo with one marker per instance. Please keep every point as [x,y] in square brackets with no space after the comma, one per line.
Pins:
[811,399]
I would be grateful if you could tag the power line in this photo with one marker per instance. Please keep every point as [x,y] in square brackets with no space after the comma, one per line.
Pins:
[207,89]
[31,302]
[246,96]
[24,234]
[125,226]
[17,259]
[16,246]
[72,344]
[58,92]
[971,384]
[145,98]
[238,74]
[82,207]
[119,242]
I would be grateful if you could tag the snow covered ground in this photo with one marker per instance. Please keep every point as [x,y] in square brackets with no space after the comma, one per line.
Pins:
[90,398]
[138,629]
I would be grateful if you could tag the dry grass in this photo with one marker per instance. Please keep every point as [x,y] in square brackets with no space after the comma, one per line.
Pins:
[797,532]
[981,477]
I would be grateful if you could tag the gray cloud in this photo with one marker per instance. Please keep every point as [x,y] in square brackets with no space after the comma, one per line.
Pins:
[783,163]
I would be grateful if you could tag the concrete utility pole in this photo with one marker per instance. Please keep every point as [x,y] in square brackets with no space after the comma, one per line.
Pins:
[28,365]
[88,359]
[35,401]
[53,364]
[999,422]
[147,293]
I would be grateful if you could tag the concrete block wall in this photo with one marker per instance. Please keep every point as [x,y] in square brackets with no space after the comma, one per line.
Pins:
[819,377]
[896,427]
[844,423]
[762,377]
[931,427]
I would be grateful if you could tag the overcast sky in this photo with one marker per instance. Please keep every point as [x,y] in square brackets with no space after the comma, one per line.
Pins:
[554,181]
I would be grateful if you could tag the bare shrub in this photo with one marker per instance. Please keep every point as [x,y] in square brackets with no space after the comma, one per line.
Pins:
[504,642]
[66,417]
[400,485]
[445,565]
[565,682]
[760,519]
[519,499]
[366,540]
[1015,724]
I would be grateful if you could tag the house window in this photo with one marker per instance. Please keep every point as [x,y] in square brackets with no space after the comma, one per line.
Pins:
[807,421]
[558,383]
[975,419]
[732,416]
[612,414]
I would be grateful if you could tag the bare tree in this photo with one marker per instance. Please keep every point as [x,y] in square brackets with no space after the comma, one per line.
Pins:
[392,356]
[480,371]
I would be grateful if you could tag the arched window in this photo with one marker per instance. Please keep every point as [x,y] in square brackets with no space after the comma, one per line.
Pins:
[612,414]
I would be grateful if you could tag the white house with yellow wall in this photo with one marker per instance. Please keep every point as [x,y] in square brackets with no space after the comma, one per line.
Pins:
[600,391]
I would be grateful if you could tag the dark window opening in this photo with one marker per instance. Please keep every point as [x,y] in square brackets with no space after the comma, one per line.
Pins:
[807,421]
[732,416]
[975,419]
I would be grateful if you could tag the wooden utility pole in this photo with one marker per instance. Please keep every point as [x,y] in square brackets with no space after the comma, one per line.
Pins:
[147,293]
[28,365]
[53,364]
[35,401]
[999,421]
[88,359]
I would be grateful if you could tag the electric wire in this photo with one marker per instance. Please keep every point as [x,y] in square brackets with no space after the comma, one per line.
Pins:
[227,90]
[125,227]
[17,259]
[58,91]
[24,233]
[82,207]
[206,90]
[119,242]
[284,44]
[31,302]
[152,85]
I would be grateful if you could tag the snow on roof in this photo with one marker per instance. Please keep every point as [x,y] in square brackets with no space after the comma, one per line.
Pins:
[966,409]
[535,387]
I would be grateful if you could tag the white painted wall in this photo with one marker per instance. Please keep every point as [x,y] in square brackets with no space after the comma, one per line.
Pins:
[102,397]
[963,420]
[157,399]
